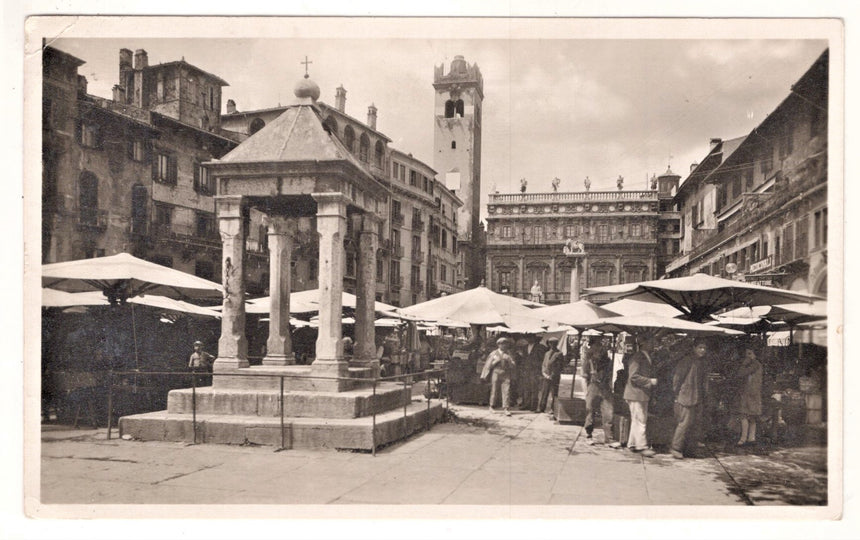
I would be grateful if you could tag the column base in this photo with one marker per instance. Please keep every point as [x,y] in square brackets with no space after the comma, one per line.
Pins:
[279,360]
[229,363]
[333,373]
[371,364]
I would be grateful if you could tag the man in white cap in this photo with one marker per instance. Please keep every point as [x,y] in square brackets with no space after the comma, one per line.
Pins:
[200,360]
[501,366]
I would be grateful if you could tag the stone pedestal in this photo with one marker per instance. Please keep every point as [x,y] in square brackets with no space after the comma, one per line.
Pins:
[232,345]
[331,227]
[365,303]
[574,276]
[279,347]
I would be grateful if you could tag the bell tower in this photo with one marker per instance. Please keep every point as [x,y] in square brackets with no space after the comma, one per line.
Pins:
[457,156]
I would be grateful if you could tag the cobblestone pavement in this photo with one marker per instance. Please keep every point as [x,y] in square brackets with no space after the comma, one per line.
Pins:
[477,458]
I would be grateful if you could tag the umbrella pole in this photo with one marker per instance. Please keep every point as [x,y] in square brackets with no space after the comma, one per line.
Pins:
[576,363]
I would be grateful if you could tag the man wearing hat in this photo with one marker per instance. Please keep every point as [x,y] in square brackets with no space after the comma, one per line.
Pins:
[550,372]
[637,393]
[500,365]
[200,360]
[597,374]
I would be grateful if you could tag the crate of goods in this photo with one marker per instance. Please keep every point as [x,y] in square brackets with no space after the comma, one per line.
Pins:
[570,410]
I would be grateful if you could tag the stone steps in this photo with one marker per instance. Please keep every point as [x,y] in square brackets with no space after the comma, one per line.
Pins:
[265,402]
[299,432]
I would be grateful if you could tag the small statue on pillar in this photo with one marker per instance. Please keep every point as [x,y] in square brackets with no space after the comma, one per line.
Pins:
[620,182]
[523,184]
[536,292]
[555,183]
[587,184]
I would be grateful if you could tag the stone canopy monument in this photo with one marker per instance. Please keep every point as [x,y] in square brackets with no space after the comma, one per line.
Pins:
[295,167]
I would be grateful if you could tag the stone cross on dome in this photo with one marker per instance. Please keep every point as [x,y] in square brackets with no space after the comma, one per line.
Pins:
[306,62]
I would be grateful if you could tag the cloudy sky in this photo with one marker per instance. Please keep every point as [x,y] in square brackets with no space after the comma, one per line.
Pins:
[569,108]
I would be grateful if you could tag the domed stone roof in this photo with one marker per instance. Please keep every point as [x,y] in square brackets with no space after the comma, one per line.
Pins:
[306,88]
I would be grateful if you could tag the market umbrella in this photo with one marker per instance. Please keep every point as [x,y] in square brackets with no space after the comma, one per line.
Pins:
[474,306]
[701,295]
[52,298]
[123,276]
[635,324]
[55,298]
[626,306]
[308,302]
[578,314]
[798,313]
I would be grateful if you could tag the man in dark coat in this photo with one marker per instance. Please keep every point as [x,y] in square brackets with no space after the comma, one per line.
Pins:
[688,383]
[637,393]
[597,373]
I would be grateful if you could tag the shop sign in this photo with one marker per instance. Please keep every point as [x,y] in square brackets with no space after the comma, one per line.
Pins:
[762,264]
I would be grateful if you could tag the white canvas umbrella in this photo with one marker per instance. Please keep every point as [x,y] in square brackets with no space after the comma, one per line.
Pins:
[700,295]
[124,276]
[308,302]
[474,306]
[634,324]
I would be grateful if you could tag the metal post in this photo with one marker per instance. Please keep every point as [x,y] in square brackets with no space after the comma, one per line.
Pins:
[373,426]
[110,403]
[429,396]
[283,445]
[406,403]
[447,388]
[194,405]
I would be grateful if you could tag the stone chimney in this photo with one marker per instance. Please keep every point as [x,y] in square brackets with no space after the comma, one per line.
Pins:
[118,93]
[693,166]
[371,116]
[82,85]
[141,60]
[124,60]
[715,142]
[340,99]
[231,106]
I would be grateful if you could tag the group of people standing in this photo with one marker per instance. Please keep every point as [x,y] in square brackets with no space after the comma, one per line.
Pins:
[533,366]
[536,369]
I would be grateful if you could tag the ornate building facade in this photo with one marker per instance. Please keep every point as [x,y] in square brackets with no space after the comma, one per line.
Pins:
[526,234]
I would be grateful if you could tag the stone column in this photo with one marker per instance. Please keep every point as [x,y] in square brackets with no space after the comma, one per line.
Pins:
[331,228]
[574,278]
[279,346]
[232,345]
[365,296]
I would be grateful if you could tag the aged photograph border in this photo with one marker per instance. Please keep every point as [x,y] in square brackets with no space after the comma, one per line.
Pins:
[597,28]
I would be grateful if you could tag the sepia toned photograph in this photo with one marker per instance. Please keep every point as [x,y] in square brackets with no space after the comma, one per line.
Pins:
[492,267]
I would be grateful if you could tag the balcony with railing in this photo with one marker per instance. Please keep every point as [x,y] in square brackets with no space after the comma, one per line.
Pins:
[417,224]
[576,196]
[417,255]
[397,251]
[397,219]
[396,282]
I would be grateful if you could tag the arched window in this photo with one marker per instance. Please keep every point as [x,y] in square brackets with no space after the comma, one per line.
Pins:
[256,125]
[450,108]
[459,108]
[331,124]
[378,154]
[88,198]
[363,147]
[349,138]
